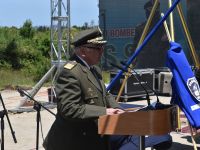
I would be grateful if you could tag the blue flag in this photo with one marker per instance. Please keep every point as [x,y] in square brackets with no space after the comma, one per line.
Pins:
[185,88]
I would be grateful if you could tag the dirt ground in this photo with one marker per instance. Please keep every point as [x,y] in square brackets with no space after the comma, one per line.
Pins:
[23,121]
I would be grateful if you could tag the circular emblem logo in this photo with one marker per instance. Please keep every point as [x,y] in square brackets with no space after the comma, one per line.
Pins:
[193,86]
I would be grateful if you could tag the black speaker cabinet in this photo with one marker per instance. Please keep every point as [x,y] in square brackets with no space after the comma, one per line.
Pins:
[133,87]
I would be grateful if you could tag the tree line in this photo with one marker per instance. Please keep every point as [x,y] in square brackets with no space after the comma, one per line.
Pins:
[27,48]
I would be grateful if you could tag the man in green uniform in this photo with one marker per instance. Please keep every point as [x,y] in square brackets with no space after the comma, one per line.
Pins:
[82,98]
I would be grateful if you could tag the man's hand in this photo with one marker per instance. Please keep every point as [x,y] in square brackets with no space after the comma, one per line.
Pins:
[112,111]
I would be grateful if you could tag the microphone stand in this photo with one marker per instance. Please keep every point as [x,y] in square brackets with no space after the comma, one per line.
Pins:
[2,114]
[149,107]
[37,106]
[158,105]
[147,94]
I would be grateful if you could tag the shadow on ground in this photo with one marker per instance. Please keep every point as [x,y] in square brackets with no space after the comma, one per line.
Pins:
[180,146]
[188,138]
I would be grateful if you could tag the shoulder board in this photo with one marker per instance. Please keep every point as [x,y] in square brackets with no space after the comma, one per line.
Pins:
[70,64]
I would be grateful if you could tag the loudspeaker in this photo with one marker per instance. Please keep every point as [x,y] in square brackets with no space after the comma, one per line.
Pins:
[132,87]
[164,80]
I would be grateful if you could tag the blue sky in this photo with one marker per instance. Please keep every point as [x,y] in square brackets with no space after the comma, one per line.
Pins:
[15,12]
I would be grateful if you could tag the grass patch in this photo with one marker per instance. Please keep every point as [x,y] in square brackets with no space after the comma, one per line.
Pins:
[9,79]
[12,78]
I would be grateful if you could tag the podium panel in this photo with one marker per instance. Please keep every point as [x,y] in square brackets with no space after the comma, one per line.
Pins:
[151,122]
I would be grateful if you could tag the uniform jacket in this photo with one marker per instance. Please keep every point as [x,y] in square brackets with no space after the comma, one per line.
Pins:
[81,99]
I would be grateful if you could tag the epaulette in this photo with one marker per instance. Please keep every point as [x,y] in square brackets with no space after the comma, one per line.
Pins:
[70,64]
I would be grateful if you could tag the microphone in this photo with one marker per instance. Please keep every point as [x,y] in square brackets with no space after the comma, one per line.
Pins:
[158,104]
[147,94]
[118,67]
[156,94]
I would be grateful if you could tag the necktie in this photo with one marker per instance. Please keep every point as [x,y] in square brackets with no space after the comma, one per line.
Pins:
[94,72]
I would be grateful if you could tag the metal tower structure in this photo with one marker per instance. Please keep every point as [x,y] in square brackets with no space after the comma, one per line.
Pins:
[60,44]
[60,33]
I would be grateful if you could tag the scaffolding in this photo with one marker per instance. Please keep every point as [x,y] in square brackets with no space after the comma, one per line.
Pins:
[60,45]
[60,37]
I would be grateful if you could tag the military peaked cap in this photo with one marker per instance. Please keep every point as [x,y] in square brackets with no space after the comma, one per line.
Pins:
[89,36]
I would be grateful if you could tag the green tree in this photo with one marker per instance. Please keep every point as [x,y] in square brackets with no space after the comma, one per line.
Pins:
[27,50]
[27,30]
[12,55]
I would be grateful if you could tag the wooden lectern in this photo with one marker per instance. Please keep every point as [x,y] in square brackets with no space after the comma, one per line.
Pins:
[150,122]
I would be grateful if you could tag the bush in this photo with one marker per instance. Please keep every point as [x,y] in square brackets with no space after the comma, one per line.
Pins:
[12,55]
[26,51]
[26,30]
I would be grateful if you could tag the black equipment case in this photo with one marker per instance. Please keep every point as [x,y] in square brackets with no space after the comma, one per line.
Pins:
[133,87]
